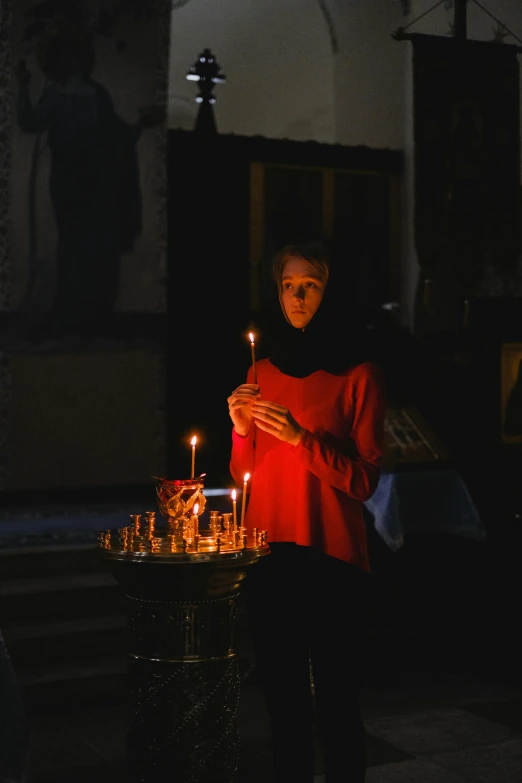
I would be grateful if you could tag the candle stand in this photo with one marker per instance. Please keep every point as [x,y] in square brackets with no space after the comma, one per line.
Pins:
[182,586]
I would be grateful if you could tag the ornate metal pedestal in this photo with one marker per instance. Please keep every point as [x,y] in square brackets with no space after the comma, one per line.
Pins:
[182,588]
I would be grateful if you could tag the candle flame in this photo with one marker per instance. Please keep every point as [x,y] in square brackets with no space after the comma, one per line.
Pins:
[234,494]
[196,508]
[251,337]
[246,477]
[193,441]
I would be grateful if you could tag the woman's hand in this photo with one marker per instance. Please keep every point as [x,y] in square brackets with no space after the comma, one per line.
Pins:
[240,406]
[278,421]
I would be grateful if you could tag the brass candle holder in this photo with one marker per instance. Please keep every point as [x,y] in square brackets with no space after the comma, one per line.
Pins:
[181,501]
[182,585]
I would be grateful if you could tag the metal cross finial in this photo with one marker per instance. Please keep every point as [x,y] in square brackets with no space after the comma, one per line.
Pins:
[207,72]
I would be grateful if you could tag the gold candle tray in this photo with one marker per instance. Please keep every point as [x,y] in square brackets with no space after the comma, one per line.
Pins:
[142,537]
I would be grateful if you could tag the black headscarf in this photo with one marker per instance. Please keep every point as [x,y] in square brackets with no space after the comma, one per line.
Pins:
[334,339]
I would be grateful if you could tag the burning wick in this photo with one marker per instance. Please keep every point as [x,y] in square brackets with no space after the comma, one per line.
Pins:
[243,503]
[234,504]
[253,348]
[195,520]
[193,444]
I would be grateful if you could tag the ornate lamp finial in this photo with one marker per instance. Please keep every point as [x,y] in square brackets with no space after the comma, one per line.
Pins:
[207,72]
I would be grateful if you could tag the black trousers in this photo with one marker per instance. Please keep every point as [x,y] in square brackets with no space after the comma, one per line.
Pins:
[306,607]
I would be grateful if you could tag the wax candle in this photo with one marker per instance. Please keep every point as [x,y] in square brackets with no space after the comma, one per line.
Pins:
[243,504]
[234,504]
[253,349]
[195,519]
[193,444]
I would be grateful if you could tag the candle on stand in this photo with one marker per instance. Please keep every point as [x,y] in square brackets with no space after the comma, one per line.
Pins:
[253,348]
[193,444]
[234,504]
[195,519]
[243,504]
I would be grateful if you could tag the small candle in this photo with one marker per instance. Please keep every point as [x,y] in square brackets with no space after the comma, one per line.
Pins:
[195,519]
[193,444]
[234,504]
[243,504]
[253,348]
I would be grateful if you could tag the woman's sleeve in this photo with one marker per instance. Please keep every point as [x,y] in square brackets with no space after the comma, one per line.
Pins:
[357,476]
[242,457]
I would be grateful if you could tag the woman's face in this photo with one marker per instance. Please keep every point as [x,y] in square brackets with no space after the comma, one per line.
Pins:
[302,291]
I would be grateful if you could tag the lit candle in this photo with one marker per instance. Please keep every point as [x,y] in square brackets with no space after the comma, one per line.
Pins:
[243,504]
[193,444]
[234,504]
[253,348]
[195,518]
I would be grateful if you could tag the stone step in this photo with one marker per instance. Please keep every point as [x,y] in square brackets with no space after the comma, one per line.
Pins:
[63,617]
[59,586]
[76,641]
[30,585]
[79,684]
[95,639]
[59,605]
[47,561]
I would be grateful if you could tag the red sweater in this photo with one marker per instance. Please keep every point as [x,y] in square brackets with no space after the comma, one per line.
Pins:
[312,493]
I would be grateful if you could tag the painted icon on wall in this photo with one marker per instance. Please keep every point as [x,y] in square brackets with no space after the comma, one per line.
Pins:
[94,171]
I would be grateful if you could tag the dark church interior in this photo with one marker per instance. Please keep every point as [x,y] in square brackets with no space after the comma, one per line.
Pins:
[136,241]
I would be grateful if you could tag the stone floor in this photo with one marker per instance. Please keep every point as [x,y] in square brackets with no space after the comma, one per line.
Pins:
[447,729]
[442,695]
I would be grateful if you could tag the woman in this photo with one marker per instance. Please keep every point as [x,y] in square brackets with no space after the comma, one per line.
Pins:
[310,433]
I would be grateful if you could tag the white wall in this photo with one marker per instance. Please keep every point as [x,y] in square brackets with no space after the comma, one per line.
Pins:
[284,80]
[278,61]
[369,73]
